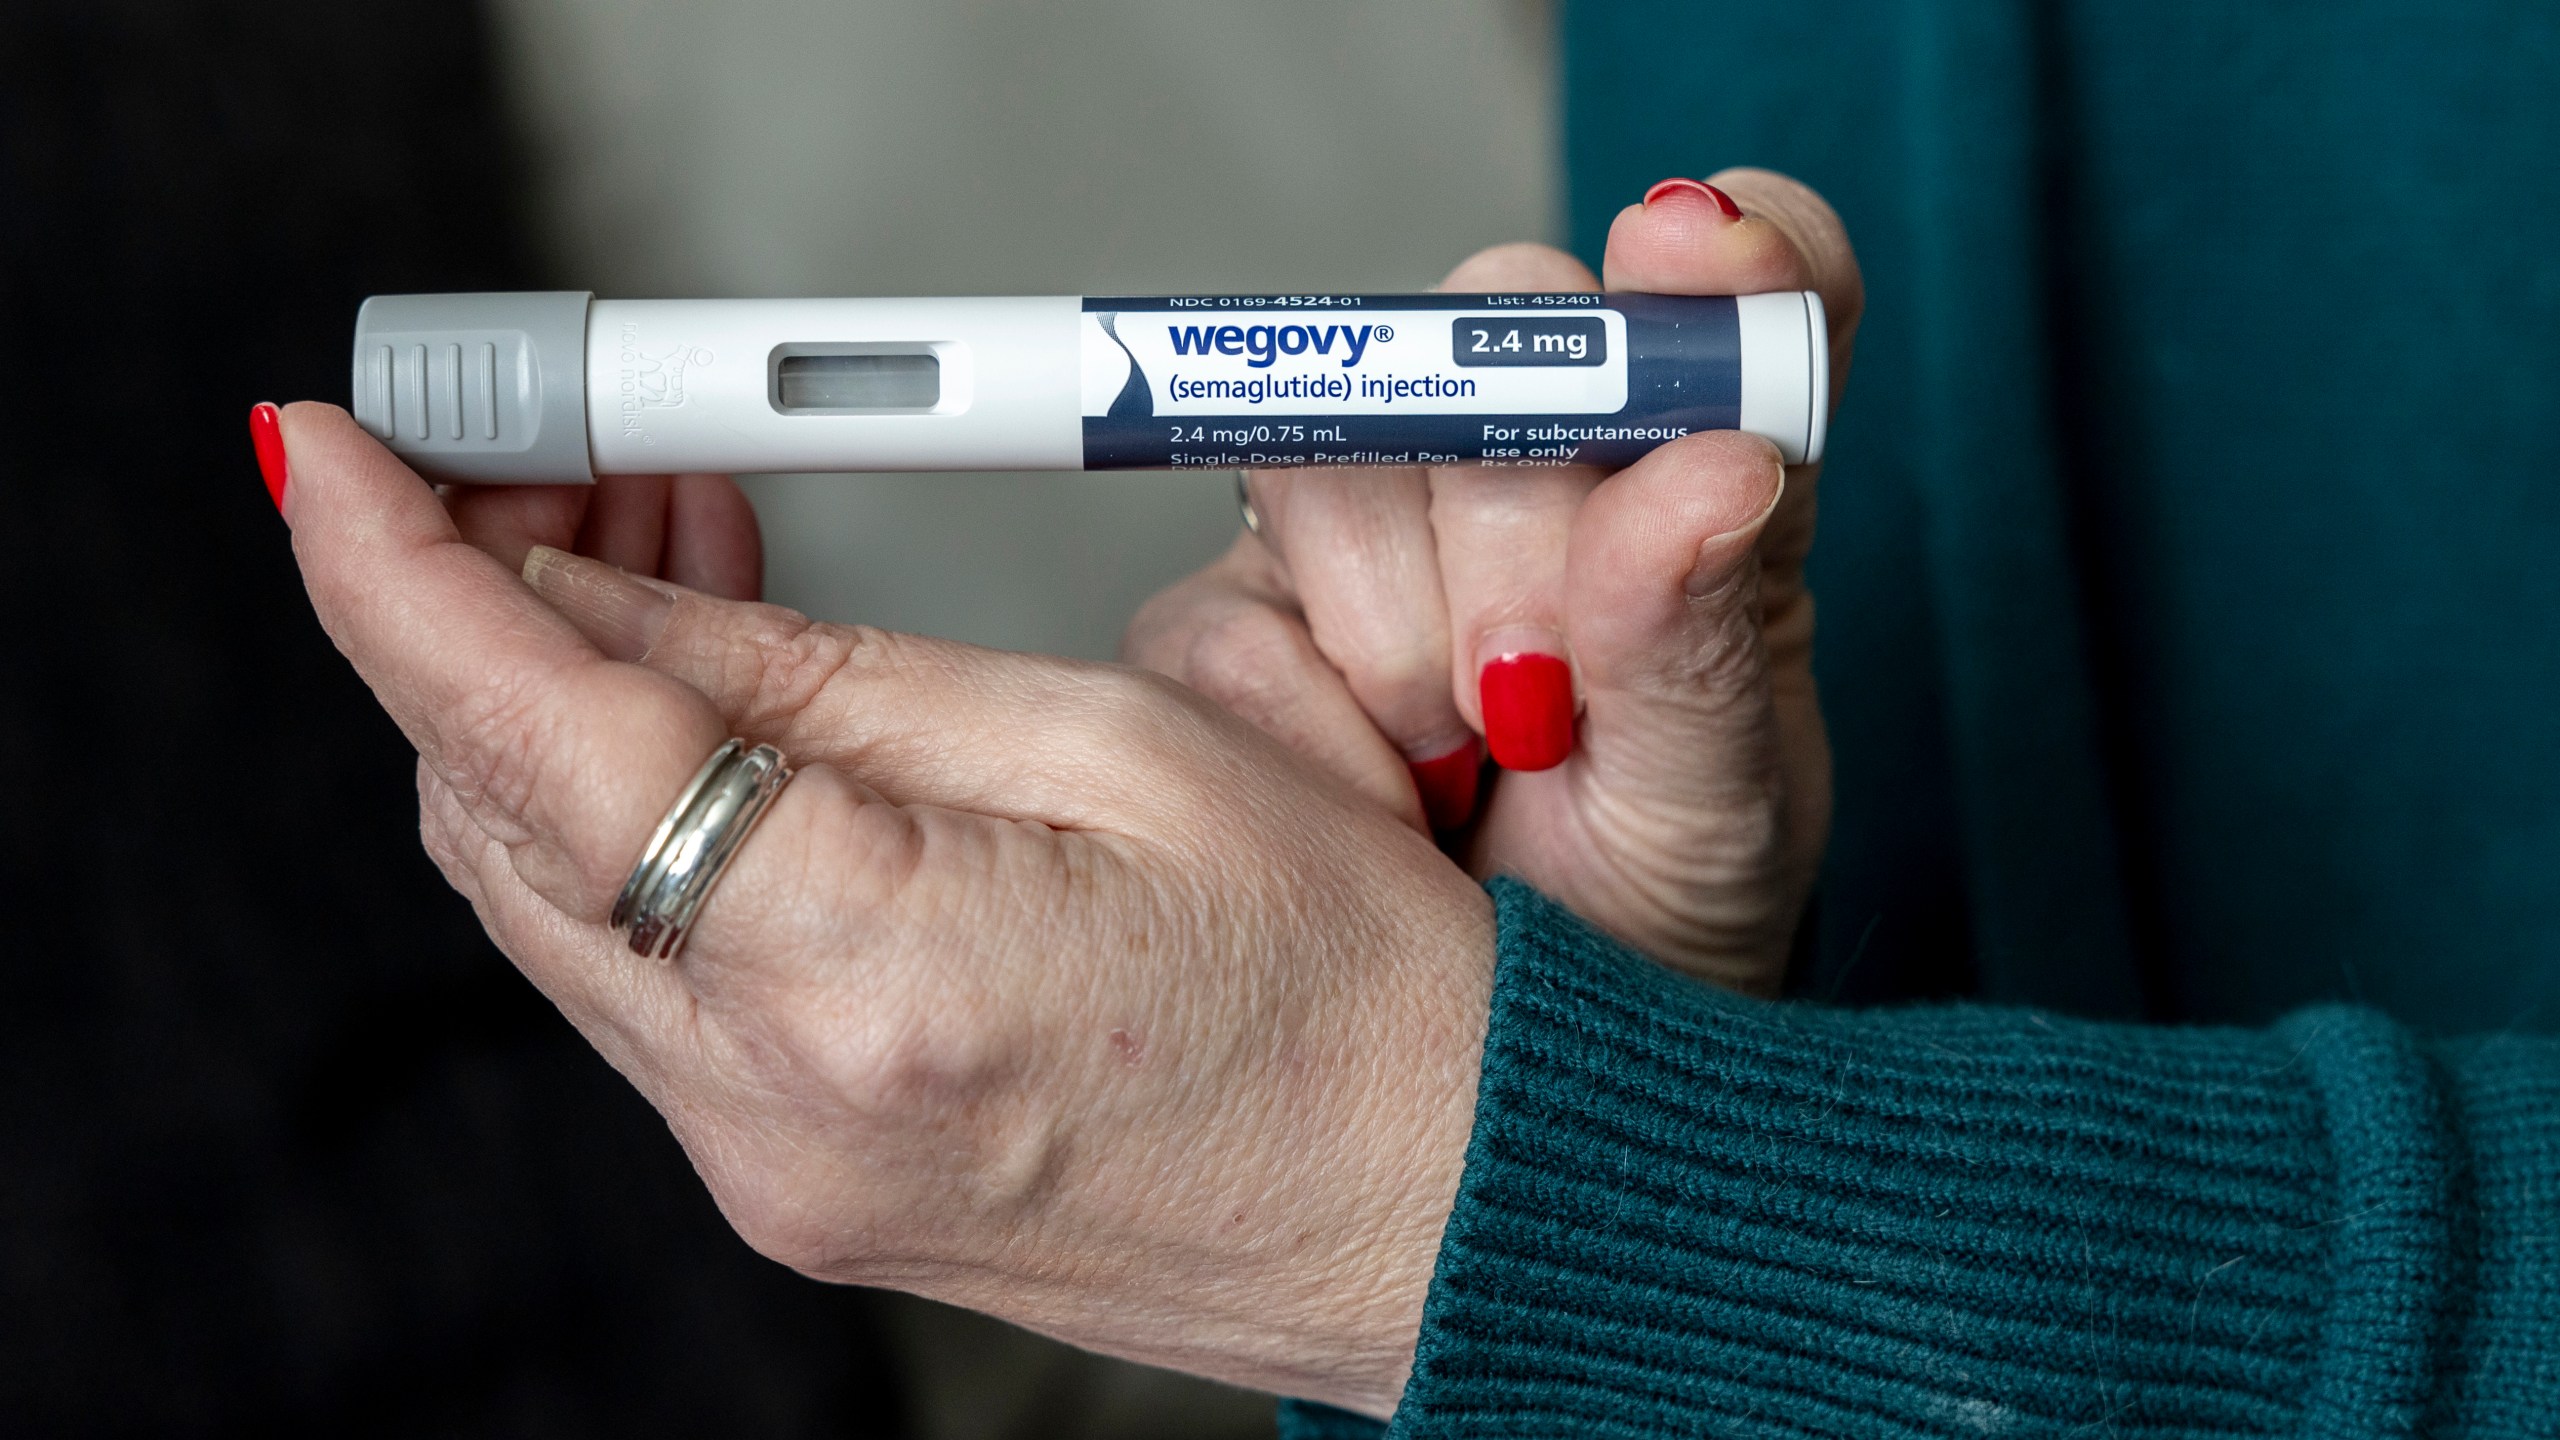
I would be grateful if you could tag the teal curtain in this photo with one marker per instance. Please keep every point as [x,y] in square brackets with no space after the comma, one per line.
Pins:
[2190,565]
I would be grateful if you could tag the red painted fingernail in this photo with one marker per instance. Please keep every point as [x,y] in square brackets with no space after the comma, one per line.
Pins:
[1448,784]
[266,436]
[1528,710]
[1699,188]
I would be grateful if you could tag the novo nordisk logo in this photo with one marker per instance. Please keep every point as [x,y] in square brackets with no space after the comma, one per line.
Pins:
[653,375]
[1265,344]
[652,379]
[658,380]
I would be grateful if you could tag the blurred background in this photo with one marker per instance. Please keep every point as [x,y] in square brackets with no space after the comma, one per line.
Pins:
[285,1147]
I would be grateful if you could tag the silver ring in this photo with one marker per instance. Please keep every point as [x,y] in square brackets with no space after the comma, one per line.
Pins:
[694,844]
[1244,504]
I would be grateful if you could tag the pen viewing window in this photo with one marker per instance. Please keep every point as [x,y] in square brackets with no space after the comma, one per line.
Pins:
[821,379]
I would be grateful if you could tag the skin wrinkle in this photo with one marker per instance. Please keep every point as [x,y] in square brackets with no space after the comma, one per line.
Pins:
[480,754]
[1723,667]
[441,826]
[794,663]
[1748,533]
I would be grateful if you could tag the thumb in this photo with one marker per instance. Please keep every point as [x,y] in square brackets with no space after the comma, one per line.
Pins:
[1686,739]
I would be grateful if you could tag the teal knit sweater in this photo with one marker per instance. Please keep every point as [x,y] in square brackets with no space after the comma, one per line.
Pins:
[2191,647]
[1687,1213]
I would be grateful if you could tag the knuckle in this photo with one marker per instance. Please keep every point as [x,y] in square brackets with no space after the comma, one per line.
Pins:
[1112,712]
[874,853]
[1250,652]
[791,662]
[1109,722]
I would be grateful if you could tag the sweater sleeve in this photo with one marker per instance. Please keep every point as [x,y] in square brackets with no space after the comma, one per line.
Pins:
[1685,1212]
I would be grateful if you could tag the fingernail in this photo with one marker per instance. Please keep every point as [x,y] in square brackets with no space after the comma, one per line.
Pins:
[1527,699]
[1699,188]
[622,616]
[266,437]
[1448,784]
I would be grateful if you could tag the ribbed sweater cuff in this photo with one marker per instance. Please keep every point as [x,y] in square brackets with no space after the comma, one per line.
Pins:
[2502,1335]
[1685,1213]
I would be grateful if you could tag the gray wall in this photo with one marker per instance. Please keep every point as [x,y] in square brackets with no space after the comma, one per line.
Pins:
[795,147]
[779,147]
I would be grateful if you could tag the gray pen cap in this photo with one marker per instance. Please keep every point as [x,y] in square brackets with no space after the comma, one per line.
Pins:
[487,389]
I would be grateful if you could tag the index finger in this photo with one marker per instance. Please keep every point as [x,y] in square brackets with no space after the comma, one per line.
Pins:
[563,757]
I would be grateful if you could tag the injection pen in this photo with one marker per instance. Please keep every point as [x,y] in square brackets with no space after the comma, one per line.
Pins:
[552,387]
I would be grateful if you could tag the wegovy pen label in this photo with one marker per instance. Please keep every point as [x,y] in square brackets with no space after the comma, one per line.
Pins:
[1542,379]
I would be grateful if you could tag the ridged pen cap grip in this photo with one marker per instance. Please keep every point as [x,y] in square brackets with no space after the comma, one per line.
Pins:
[484,387]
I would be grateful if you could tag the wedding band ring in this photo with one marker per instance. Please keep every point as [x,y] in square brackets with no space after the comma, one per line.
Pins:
[694,844]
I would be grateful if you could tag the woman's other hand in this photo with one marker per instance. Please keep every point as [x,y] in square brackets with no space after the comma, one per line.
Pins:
[1636,648]
[1049,989]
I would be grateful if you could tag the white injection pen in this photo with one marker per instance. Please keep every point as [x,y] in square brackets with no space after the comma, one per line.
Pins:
[552,387]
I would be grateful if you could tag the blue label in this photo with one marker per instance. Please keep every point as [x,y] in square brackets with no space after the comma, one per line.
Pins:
[1231,381]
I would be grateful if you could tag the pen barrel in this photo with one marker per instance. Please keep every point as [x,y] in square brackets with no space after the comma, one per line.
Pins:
[554,387]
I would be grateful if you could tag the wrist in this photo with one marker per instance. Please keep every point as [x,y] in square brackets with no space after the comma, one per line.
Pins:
[1418,1083]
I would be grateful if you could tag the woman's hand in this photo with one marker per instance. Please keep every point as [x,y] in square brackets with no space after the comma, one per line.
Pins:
[1383,619]
[1049,989]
